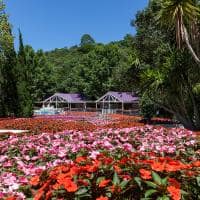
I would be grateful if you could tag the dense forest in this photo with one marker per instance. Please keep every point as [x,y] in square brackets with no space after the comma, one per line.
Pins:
[93,68]
[160,62]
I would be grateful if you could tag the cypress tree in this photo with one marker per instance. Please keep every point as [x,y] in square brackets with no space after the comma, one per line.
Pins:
[24,82]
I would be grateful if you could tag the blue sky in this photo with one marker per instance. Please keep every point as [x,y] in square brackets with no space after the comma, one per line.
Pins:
[49,24]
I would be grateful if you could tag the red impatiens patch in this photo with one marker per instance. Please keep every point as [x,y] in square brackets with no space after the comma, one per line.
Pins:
[104,183]
[38,125]
[102,198]
[174,192]
[78,175]
[34,181]
[145,174]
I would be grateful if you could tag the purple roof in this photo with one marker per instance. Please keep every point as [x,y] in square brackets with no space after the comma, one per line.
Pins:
[126,97]
[71,97]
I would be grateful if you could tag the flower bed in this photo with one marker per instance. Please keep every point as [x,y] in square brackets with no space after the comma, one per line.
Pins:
[46,125]
[72,121]
[111,163]
[135,176]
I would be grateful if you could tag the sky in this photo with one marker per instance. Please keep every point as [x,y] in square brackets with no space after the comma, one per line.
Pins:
[50,24]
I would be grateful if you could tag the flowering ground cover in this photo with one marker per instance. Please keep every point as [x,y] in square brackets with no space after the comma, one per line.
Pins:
[72,121]
[100,162]
[46,125]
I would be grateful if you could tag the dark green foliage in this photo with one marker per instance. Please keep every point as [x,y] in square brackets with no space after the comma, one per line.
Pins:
[149,63]
[169,76]
[35,78]
[9,86]
[25,80]
[86,39]
[97,68]
[43,81]
[147,108]
[8,89]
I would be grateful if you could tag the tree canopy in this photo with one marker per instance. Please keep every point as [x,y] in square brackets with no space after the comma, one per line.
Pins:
[160,62]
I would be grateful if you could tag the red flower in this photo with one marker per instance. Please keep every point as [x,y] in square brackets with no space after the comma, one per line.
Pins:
[115,188]
[80,159]
[92,168]
[159,167]
[190,173]
[73,171]
[39,195]
[102,198]
[117,169]
[56,186]
[174,182]
[196,163]
[11,198]
[126,177]
[48,195]
[34,180]
[70,186]
[123,161]
[145,174]
[61,178]
[83,182]
[104,183]
[174,192]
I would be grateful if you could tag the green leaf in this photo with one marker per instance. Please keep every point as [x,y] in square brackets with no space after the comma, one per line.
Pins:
[148,193]
[184,192]
[116,180]
[124,183]
[198,180]
[100,179]
[109,194]
[156,178]
[138,181]
[163,198]
[151,184]
[164,181]
[81,191]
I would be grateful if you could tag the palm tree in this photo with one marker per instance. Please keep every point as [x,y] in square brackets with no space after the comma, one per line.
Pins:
[178,13]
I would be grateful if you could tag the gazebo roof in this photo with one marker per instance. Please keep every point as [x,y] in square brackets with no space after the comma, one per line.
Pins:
[66,97]
[124,97]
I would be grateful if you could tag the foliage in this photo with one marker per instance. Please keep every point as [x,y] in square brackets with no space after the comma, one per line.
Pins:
[95,69]
[176,13]
[8,97]
[168,74]
[25,71]
[118,178]
[147,108]
[86,39]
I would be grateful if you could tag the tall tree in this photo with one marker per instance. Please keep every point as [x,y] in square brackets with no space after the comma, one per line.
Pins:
[8,82]
[170,76]
[86,39]
[43,82]
[24,81]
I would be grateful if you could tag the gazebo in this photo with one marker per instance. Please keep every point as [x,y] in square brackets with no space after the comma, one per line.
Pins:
[118,101]
[67,100]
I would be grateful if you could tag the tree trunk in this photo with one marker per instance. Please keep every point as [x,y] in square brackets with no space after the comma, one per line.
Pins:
[196,117]
[187,124]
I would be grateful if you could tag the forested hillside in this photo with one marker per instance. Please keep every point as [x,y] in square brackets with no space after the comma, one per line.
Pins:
[161,62]
[94,69]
